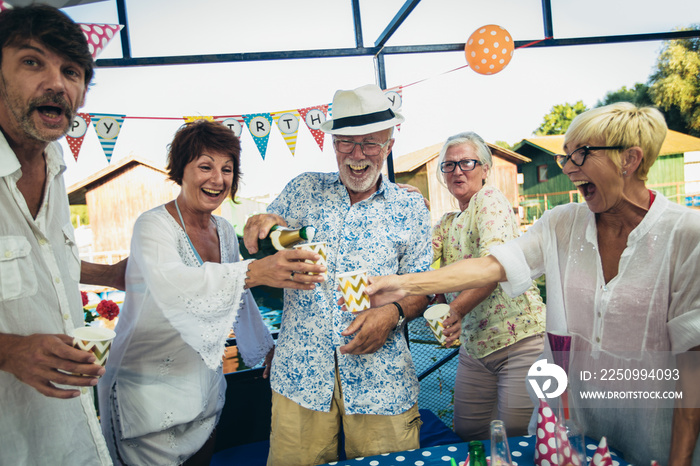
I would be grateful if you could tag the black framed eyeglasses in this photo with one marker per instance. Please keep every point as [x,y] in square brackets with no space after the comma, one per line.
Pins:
[578,157]
[370,149]
[466,165]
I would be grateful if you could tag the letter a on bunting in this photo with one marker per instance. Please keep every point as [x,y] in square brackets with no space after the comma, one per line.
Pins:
[107,128]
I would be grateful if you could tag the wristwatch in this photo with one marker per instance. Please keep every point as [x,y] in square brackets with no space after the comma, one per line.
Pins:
[402,317]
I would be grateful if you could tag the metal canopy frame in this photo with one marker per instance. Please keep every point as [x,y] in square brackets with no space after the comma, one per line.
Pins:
[378,50]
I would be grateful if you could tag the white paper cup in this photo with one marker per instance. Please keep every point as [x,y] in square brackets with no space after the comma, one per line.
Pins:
[352,285]
[319,248]
[436,315]
[97,340]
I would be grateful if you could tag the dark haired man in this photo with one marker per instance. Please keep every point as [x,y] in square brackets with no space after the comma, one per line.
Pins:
[47,414]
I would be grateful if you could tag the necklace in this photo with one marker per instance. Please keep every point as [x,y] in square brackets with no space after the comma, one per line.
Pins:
[177,207]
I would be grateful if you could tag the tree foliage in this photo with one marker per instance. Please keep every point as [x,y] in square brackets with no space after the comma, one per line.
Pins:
[674,86]
[638,95]
[559,118]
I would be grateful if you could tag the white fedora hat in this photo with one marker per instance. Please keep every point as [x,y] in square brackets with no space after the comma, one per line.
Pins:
[364,110]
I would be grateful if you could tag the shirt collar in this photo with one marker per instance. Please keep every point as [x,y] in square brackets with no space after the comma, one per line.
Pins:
[9,163]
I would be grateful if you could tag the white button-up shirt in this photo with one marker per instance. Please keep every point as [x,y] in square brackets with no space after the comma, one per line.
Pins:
[39,275]
[652,307]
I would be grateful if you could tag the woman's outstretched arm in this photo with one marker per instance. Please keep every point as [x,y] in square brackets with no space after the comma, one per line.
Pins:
[462,275]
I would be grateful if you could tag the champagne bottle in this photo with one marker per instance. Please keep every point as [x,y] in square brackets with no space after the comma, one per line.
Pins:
[280,238]
[477,456]
[500,452]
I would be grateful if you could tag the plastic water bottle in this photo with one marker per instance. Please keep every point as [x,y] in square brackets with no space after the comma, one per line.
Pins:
[500,451]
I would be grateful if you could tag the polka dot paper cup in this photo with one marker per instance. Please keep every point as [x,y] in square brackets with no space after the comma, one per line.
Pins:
[436,315]
[352,285]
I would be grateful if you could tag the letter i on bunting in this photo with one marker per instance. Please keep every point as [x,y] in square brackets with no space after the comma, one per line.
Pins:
[314,117]
[395,96]
[76,133]
[107,128]
[234,123]
[259,125]
[288,124]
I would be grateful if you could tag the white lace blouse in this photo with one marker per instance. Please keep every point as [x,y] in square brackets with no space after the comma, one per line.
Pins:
[164,387]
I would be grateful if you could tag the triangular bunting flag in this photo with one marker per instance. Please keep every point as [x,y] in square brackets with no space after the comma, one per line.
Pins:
[313,117]
[77,131]
[190,119]
[234,123]
[288,124]
[259,125]
[99,35]
[395,96]
[107,128]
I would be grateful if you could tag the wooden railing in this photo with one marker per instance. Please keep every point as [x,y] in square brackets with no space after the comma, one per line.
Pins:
[533,205]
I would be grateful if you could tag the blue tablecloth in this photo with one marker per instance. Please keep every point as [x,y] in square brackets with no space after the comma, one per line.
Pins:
[522,450]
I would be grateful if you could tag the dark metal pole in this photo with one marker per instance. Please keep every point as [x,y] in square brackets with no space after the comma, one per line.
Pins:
[381,82]
[124,33]
[547,18]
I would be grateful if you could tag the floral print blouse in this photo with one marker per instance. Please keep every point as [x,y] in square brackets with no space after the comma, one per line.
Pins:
[499,320]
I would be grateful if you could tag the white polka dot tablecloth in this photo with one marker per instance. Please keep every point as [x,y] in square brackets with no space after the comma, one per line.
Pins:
[522,450]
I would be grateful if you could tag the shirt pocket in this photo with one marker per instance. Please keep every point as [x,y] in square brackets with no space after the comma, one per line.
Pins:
[17,274]
[72,253]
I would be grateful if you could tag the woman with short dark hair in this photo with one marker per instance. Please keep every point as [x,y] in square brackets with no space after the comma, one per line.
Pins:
[164,388]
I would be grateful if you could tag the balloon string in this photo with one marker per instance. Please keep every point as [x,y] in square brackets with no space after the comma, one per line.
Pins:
[467,66]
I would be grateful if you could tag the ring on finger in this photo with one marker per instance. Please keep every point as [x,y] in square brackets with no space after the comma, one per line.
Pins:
[292,276]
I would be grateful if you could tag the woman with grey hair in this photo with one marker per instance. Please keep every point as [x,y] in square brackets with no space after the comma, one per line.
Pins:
[501,336]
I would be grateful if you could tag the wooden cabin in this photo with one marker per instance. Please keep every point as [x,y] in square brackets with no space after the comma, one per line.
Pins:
[115,197]
[420,169]
[675,174]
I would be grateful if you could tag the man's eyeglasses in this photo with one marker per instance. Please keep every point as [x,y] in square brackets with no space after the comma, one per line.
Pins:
[370,149]
[466,165]
[578,157]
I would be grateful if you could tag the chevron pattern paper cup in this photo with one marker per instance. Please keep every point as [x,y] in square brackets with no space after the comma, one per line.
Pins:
[320,249]
[352,285]
[97,340]
[435,315]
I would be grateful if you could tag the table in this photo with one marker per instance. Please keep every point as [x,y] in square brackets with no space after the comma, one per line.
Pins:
[522,450]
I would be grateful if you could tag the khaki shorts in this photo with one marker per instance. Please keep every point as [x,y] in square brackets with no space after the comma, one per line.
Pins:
[305,437]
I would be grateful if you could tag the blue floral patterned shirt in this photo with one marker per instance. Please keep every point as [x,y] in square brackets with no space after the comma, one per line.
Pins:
[387,233]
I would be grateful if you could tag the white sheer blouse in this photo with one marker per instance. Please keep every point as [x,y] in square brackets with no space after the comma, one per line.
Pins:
[164,387]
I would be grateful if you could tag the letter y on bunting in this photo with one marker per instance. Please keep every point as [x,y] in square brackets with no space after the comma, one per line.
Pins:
[107,128]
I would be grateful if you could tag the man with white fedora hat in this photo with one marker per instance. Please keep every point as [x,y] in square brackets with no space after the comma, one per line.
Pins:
[332,366]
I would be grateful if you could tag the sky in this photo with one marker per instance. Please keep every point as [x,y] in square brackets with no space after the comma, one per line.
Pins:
[441,96]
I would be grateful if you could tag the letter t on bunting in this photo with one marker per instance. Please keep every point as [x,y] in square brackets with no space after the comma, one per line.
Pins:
[288,124]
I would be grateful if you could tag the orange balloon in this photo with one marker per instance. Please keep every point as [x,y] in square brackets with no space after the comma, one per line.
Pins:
[489,49]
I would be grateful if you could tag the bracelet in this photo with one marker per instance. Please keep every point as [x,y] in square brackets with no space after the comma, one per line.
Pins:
[400,309]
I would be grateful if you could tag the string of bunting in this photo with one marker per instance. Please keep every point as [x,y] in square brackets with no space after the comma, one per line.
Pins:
[259,125]
[488,51]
